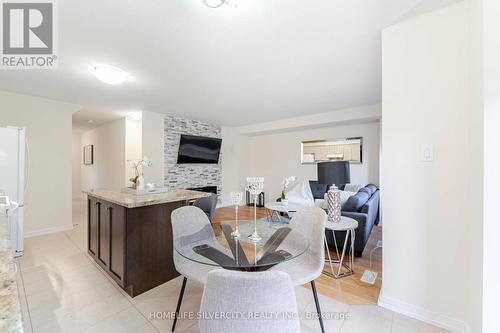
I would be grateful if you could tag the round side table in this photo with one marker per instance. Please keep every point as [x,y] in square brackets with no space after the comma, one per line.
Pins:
[348,225]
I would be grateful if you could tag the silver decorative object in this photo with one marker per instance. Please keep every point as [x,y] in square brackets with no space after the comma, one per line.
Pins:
[255,185]
[334,206]
[236,198]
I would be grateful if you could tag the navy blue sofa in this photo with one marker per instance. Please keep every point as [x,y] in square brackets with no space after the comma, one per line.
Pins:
[363,207]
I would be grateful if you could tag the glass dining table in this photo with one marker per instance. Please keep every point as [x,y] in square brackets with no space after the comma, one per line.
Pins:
[280,242]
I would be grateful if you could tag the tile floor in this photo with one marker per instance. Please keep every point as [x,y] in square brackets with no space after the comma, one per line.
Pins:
[62,290]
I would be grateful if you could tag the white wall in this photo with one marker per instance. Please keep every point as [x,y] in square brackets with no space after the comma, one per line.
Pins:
[153,145]
[476,187]
[109,168]
[76,170]
[356,115]
[491,288]
[235,160]
[133,145]
[428,230]
[48,129]
[114,143]
[276,156]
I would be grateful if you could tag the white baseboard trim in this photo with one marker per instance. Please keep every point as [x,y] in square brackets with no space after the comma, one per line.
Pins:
[433,318]
[47,231]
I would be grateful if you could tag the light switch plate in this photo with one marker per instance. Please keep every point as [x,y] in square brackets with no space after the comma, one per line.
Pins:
[427,153]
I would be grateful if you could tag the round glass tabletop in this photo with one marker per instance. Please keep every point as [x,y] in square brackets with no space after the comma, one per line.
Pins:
[279,242]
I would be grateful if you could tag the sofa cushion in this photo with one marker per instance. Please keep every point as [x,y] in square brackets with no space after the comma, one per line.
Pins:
[344,196]
[366,190]
[372,188]
[356,202]
[353,187]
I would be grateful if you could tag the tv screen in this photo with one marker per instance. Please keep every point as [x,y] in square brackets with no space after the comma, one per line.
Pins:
[198,149]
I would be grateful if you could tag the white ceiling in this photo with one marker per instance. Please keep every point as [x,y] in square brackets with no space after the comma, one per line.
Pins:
[263,61]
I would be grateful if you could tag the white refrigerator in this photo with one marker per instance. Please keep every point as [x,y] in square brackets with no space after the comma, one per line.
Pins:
[14,178]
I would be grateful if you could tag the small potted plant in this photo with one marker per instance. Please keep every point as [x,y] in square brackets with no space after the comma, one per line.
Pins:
[286,183]
[138,166]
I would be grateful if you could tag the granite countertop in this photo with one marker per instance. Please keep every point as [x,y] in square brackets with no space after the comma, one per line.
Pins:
[10,308]
[133,201]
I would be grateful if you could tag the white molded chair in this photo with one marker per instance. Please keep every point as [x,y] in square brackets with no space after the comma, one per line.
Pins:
[240,294]
[185,221]
[306,268]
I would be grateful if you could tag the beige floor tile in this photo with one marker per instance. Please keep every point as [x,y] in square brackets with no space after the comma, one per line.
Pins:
[147,328]
[44,306]
[360,310]
[333,313]
[71,294]
[404,324]
[191,329]
[128,320]
[57,281]
[364,322]
[79,319]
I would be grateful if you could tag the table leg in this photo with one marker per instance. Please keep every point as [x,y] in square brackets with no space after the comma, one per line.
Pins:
[329,258]
[343,253]
[336,246]
[353,239]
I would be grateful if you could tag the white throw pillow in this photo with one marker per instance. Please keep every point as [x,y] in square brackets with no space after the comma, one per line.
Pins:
[344,196]
[353,187]
[301,194]
[321,203]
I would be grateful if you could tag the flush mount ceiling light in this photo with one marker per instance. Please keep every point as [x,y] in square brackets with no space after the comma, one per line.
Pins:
[109,74]
[135,115]
[218,3]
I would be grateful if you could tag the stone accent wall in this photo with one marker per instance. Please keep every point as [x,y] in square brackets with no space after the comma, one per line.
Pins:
[189,175]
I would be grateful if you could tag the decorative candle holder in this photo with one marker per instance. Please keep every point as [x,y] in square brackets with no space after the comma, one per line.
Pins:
[255,185]
[236,198]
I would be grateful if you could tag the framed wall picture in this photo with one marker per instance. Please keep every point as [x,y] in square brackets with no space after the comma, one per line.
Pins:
[88,155]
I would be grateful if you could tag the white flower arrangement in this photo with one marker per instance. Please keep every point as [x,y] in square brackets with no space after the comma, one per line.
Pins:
[138,166]
[286,183]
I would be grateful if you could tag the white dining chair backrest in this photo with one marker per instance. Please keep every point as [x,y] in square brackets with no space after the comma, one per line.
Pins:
[310,222]
[187,220]
[241,295]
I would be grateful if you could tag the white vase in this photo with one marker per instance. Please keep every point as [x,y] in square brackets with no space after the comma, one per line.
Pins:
[284,202]
[140,183]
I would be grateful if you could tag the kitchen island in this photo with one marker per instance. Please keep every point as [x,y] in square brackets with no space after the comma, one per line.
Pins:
[130,236]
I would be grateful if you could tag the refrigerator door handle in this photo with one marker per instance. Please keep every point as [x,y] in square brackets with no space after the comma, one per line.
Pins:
[26,166]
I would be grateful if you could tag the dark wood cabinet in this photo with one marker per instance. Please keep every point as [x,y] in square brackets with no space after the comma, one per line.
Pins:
[132,245]
[117,242]
[93,213]
[106,237]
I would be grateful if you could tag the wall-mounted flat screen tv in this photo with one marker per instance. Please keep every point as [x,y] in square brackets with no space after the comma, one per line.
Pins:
[198,149]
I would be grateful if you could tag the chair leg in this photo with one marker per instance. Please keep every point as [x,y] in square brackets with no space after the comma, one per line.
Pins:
[318,309]
[179,302]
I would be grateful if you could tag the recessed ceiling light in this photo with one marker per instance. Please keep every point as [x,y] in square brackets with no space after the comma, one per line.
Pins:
[90,121]
[109,74]
[135,115]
